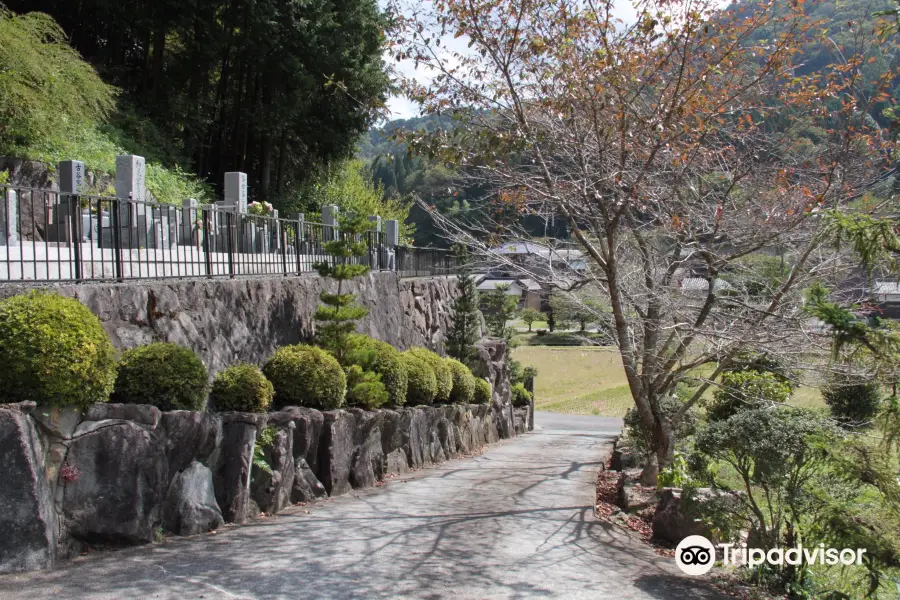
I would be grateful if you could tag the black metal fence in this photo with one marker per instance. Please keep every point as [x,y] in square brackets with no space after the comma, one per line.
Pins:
[47,236]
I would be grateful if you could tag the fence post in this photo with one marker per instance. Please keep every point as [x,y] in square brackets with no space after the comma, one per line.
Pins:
[207,228]
[298,240]
[117,238]
[75,210]
[231,234]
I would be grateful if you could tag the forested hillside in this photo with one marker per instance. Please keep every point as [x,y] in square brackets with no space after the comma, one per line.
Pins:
[276,89]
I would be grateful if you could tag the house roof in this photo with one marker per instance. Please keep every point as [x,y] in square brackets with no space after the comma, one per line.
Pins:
[489,285]
[521,247]
[699,284]
[886,288]
[529,284]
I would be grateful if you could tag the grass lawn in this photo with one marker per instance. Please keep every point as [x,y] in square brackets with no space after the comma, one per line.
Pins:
[579,380]
[588,380]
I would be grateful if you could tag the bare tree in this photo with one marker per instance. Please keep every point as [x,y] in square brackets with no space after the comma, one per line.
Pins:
[700,176]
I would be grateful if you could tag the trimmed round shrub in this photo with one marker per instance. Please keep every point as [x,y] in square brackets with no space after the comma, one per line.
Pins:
[383,359]
[520,396]
[242,388]
[306,376]
[853,399]
[168,376]
[441,372]
[53,350]
[483,391]
[422,384]
[463,382]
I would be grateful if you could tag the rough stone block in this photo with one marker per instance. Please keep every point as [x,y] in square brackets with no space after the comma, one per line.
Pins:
[143,414]
[190,507]
[272,490]
[28,523]
[117,482]
[336,447]
[307,488]
[232,474]
[189,436]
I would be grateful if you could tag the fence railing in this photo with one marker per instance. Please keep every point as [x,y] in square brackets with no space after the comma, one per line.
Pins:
[50,236]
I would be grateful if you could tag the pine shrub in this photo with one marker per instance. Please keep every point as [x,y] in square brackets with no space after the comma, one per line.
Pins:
[383,359]
[168,376]
[365,388]
[306,376]
[53,350]
[242,388]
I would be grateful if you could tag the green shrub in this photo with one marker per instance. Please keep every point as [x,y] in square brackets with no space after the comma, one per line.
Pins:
[422,387]
[365,389]
[441,372]
[853,399]
[242,388]
[53,350]
[306,376]
[641,438]
[167,376]
[745,390]
[763,362]
[520,396]
[483,391]
[463,382]
[383,359]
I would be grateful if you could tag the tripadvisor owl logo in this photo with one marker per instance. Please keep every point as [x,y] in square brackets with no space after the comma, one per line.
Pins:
[695,555]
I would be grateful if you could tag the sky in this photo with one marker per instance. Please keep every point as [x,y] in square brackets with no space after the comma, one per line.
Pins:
[402,108]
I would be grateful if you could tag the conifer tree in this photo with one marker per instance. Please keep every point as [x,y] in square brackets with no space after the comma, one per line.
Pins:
[338,313]
[466,326]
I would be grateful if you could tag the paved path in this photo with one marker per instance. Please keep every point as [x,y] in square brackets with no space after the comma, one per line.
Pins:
[516,522]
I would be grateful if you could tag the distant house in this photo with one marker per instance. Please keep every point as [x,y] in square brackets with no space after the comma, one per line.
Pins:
[541,259]
[527,291]
[886,296]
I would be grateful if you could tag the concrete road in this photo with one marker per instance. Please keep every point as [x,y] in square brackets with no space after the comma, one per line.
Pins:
[515,522]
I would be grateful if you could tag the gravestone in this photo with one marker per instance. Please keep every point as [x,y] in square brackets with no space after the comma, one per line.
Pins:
[9,220]
[392,233]
[330,221]
[236,191]
[71,181]
[131,184]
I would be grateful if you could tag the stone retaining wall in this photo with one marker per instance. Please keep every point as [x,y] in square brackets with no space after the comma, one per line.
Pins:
[244,320]
[119,474]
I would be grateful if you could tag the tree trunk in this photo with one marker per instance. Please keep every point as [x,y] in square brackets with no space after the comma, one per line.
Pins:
[282,162]
[265,165]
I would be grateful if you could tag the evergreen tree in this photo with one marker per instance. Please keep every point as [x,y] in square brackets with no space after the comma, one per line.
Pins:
[336,317]
[466,326]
